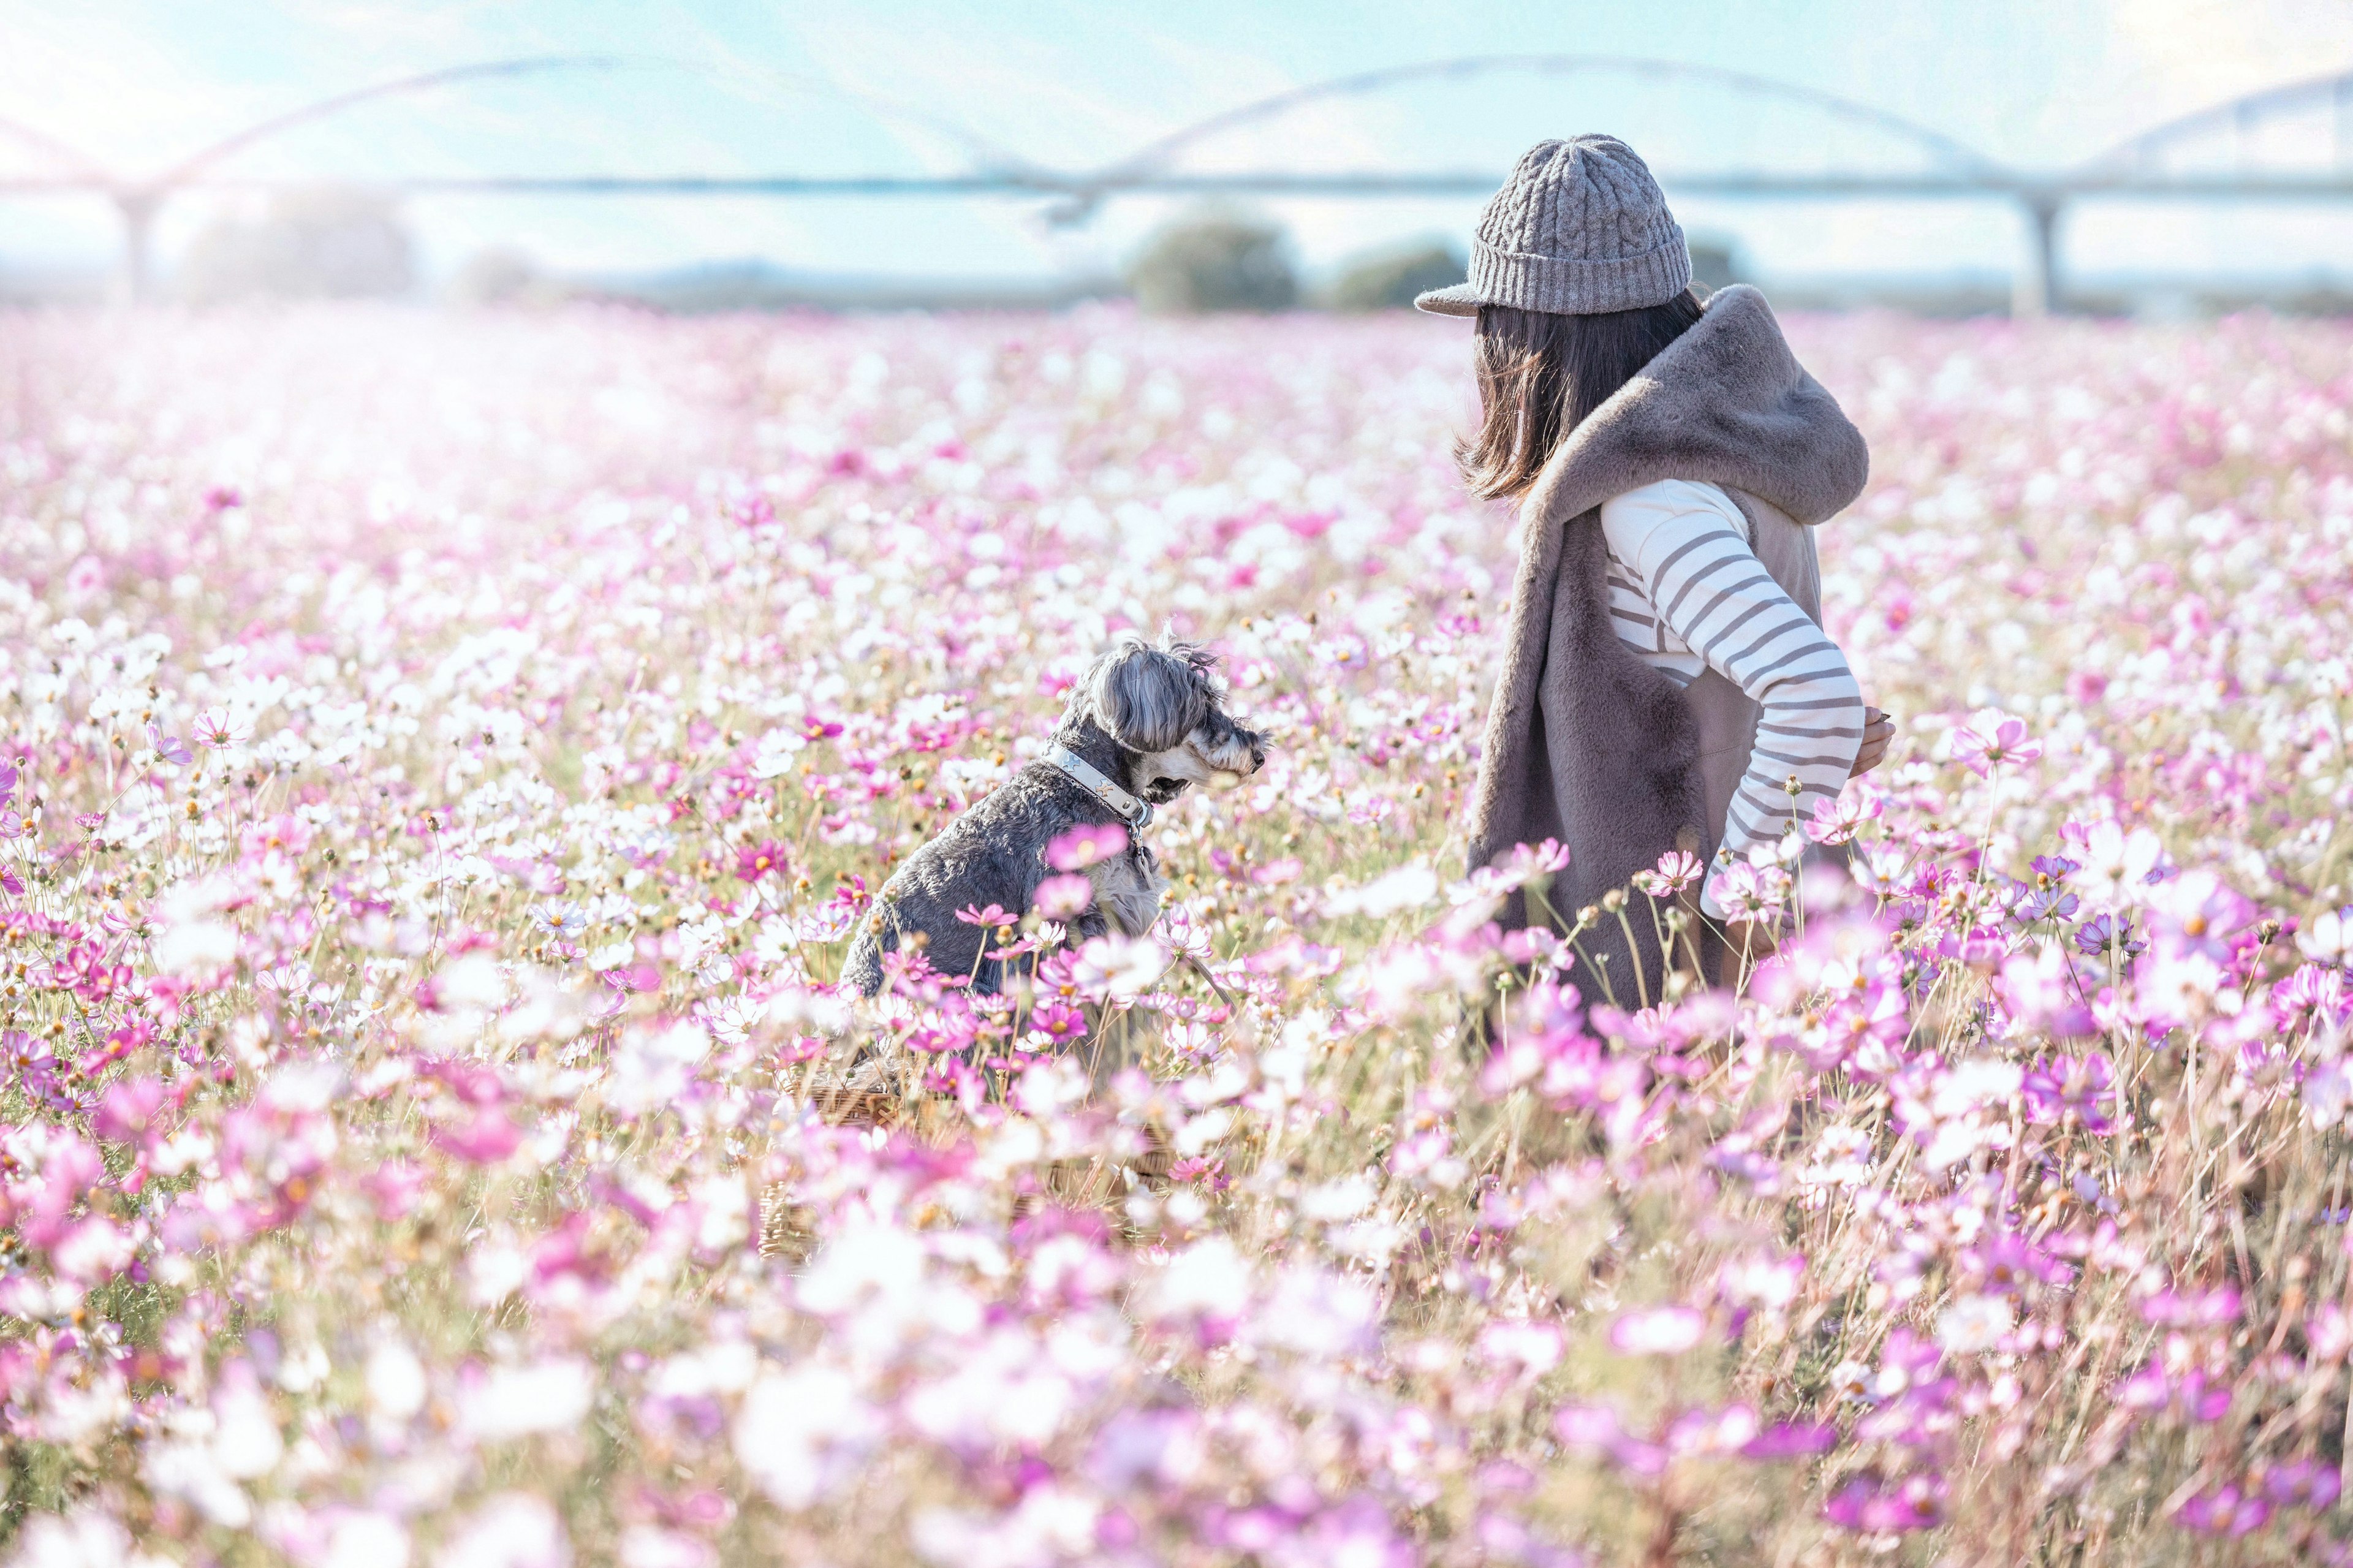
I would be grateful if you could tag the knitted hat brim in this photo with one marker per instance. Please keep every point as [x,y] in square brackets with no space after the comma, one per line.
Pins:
[1462,300]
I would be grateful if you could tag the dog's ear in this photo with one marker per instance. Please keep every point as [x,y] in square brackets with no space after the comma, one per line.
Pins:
[1148,698]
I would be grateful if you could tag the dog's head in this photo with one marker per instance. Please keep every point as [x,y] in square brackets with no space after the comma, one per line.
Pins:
[1166,703]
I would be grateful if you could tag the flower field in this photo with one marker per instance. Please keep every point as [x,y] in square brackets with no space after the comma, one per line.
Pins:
[445,756]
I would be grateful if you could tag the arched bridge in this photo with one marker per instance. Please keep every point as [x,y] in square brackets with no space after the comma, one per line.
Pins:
[2162,164]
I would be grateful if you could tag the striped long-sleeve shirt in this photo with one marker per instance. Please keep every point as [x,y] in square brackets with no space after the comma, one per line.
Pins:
[1688,594]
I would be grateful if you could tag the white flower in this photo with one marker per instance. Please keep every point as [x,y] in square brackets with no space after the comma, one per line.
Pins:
[726,1366]
[804,1434]
[1344,1199]
[1208,1278]
[1409,886]
[513,1402]
[87,1538]
[189,940]
[565,919]
[510,1530]
[1534,1349]
[469,981]
[650,1546]
[613,954]
[775,756]
[651,1068]
[188,1471]
[1118,965]
[2330,938]
[1977,1082]
[396,1380]
[1316,1312]
[1973,1323]
[246,1441]
[367,1540]
[2327,1090]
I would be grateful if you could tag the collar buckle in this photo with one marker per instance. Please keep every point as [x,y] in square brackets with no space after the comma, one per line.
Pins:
[1131,809]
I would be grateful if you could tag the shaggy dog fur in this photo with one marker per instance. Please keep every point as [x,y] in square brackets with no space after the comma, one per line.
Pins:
[1150,719]
[1585,742]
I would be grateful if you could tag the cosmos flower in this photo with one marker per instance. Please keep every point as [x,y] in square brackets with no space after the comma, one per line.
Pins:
[1993,738]
[354,1215]
[1086,844]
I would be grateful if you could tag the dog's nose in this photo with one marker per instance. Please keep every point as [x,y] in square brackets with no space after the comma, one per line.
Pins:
[1258,755]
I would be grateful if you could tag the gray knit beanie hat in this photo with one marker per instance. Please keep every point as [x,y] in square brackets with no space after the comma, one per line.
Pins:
[1580,227]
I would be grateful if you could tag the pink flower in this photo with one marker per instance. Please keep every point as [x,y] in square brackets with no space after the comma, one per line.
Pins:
[1835,821]
[1676,870]
[1086,844]
[123,1115]
[1991,738]
[484,1139]
[1063,898]
[168,748]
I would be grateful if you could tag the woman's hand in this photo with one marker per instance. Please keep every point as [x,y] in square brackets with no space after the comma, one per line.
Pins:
[1754,940]
[1878,729]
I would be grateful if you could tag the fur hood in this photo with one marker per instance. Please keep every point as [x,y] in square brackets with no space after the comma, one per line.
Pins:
[1585,742]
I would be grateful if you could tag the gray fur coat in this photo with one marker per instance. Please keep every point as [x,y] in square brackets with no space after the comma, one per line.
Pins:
[1585,742]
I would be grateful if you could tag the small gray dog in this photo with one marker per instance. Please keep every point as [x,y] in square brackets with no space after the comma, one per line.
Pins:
[1143,723]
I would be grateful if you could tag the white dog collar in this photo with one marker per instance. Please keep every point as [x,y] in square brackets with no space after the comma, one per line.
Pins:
[1136,814]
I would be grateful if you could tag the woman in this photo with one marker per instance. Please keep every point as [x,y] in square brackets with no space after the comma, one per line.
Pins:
[1666,683]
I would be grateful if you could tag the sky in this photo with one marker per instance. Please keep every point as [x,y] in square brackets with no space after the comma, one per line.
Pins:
[715,87]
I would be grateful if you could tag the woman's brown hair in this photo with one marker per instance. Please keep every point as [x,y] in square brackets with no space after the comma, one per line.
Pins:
[1541,373]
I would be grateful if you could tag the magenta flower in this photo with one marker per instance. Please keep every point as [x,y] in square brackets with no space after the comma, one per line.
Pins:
[2302,1483]
[2224,1511]
[1059,1021]
[1791,1440]
[755,861]
[1870,1504]
[2109,933]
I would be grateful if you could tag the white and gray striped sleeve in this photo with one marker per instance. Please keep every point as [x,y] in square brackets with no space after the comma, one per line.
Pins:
[1689,545]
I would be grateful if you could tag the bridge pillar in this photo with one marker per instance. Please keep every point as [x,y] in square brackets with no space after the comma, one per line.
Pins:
[137,279]
[2036,289]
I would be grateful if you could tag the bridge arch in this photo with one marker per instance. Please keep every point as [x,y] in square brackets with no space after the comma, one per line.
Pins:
[2237,116]
[1947,151]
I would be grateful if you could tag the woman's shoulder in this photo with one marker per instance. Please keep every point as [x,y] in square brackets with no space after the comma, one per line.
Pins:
[1680,504]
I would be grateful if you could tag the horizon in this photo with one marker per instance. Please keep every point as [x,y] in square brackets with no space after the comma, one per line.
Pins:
[738,90]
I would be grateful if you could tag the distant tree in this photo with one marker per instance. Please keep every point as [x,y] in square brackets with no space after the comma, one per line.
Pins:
[329,243]
[502,275]
[1216,262]
[1390,279]
[1715,263]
